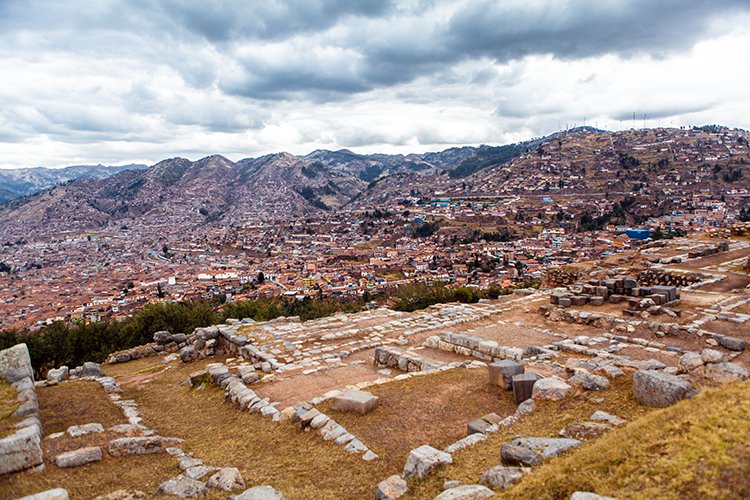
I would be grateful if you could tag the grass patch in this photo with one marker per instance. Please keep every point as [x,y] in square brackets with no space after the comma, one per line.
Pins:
[74,403]
[698,448]
[433,409]
[8,406]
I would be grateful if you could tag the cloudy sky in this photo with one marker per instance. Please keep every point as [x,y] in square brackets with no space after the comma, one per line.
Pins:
[114,82]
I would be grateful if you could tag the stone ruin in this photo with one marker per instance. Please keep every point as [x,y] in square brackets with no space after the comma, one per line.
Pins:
[21,449]
[655,299]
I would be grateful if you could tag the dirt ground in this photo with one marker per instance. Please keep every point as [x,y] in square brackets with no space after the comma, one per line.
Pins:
[431,409]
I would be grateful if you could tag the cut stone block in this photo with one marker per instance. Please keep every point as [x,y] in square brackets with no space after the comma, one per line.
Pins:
[79,457]
[501,373]
[523,385]
[355,401]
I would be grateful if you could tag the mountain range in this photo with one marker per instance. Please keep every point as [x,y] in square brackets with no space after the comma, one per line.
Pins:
[20,182]
[278,186]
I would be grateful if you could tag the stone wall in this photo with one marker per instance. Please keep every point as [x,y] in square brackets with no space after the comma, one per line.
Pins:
[21,449]
[470,345]
[406,361]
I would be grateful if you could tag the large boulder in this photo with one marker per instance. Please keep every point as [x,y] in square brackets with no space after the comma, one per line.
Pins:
[466,492]
[551,388]
[725,373]
[21,450]
[91,369]
[590,382]
[423,460]
[162,337]
[659,389]
[15,363]
[391,488]
[355,401]
[501,373]
[733,343]
[690,361]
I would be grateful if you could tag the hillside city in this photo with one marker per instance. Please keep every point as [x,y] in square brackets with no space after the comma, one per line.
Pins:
[339,224]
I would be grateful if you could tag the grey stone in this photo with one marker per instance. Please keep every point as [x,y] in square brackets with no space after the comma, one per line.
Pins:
[423,460]
[187,462]
[82,430]
[452,483]
[15,363]
[179,338]
[162,337]
[501,373]
[182,487]
[259,493]
[532,451]
[725,373]
[21,450]
[58,374]
[199,471]
[227,479]
[91,369]
[306,418]
[55,494]
[391,488]
[478,425]
[319,421]
[551,389]
[81,456]
[690,361]
[466,492]
[523,385]
[733,343]
[711,356]
[501,477]
[603,416]
[188,354]
[659,389]
[590,382]
[585,430]
[355,401]
[140,445]
[518,455]
[586,495]
[355,446]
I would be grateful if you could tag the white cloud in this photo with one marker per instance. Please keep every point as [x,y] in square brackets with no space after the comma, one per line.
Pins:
[126,82]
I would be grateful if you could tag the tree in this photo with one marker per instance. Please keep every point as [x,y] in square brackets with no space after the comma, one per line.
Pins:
[261,278]
[159,291]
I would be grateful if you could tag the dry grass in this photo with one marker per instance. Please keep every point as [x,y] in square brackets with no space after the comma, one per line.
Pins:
[432,409]
[80,402]
[549,419]
[74,403]
[300,464]
[144,473]
[696,449]
[8,405]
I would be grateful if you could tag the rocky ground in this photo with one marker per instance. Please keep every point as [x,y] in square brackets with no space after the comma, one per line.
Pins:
[245,404]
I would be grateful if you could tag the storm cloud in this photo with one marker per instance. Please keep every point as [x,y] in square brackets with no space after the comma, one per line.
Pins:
[117,81]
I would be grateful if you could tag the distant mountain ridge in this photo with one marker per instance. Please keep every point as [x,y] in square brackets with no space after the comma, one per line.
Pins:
[276,187]
[20,182]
